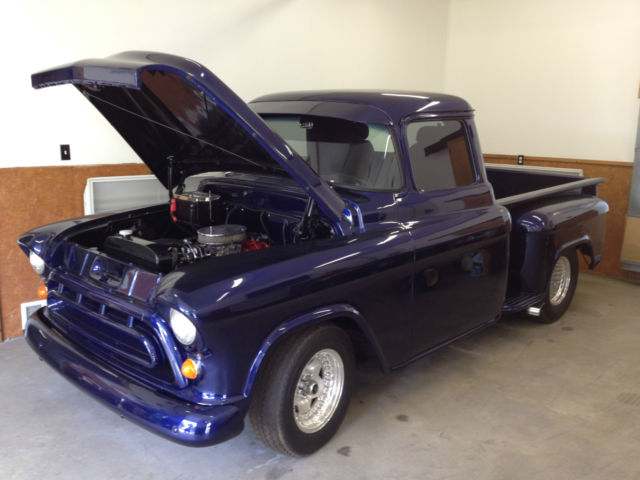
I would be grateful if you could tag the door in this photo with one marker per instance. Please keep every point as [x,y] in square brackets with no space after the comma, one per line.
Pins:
[459,234]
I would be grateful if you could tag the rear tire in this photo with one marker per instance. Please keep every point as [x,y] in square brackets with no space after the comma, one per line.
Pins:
[560,287]
[302,392]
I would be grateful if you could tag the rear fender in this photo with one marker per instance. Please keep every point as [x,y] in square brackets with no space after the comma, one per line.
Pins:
[584,245]
[320,315]
[554,226]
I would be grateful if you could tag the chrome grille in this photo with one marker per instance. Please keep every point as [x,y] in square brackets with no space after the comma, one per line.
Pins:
[119,331]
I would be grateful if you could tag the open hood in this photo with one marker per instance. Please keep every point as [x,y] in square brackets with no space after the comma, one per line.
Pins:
[168,107]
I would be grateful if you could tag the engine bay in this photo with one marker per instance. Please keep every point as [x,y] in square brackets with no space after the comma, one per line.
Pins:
[201,224]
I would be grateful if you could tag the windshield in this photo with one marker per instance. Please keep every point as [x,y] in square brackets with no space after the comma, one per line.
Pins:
[342,152]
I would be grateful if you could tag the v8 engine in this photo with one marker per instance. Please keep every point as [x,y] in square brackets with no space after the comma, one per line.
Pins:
[197,230]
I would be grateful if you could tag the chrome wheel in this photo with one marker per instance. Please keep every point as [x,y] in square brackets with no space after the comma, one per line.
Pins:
[302,392]
[560,281]
[318,390]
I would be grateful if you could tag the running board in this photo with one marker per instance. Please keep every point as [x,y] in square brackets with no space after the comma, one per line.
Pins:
[525,301]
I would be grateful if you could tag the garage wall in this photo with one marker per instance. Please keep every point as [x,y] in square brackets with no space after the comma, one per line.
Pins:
[549,78]
[32,197]
[255,46]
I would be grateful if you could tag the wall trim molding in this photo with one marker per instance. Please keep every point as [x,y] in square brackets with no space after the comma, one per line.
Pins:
[576,161]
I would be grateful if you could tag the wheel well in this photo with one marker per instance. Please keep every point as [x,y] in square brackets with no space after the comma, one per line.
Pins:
[363,349]
[586,250]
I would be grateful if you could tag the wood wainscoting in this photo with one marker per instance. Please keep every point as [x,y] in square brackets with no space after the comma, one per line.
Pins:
[615,191]
[41,195]
[35,196]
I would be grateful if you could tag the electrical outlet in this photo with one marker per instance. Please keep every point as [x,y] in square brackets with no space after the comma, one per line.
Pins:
[520,159]
[65,152]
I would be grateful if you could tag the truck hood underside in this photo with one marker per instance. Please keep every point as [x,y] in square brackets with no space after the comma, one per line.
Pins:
[166,107]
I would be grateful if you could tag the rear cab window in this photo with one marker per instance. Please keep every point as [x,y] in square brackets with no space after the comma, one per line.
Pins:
[357,155]
[439,155]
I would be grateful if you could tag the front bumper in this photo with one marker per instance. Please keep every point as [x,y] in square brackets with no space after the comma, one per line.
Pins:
[164,414]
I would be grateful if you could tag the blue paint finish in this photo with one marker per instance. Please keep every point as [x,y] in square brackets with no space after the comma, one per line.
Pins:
[395,105]
[307,320]
[288,282]
[545,228]
[180,421]
[413,271]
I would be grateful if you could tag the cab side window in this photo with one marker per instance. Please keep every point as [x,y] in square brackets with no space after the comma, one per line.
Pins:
[439,155]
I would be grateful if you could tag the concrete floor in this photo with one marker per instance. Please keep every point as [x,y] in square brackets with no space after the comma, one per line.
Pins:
[517,401]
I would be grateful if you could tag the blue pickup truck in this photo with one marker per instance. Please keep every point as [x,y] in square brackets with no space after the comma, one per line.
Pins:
[302,232]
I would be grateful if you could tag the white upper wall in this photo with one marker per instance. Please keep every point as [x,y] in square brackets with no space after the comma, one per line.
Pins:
[255,47]
[548,77]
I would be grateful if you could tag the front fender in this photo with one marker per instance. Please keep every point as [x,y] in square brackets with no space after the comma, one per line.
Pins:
[323,314]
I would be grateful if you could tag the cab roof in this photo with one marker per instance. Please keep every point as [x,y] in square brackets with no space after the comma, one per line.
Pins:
[393,104]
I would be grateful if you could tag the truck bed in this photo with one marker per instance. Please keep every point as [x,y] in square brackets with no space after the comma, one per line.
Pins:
[539,195]
[512,187]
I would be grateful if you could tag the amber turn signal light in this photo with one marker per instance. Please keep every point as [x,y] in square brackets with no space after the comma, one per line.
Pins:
[189,369]
[42,292]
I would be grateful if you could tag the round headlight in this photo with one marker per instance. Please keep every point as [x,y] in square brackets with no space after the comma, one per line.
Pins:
[182,327]
[36,262]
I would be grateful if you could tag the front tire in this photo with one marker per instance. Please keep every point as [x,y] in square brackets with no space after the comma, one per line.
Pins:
[561,287]
[302,393]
